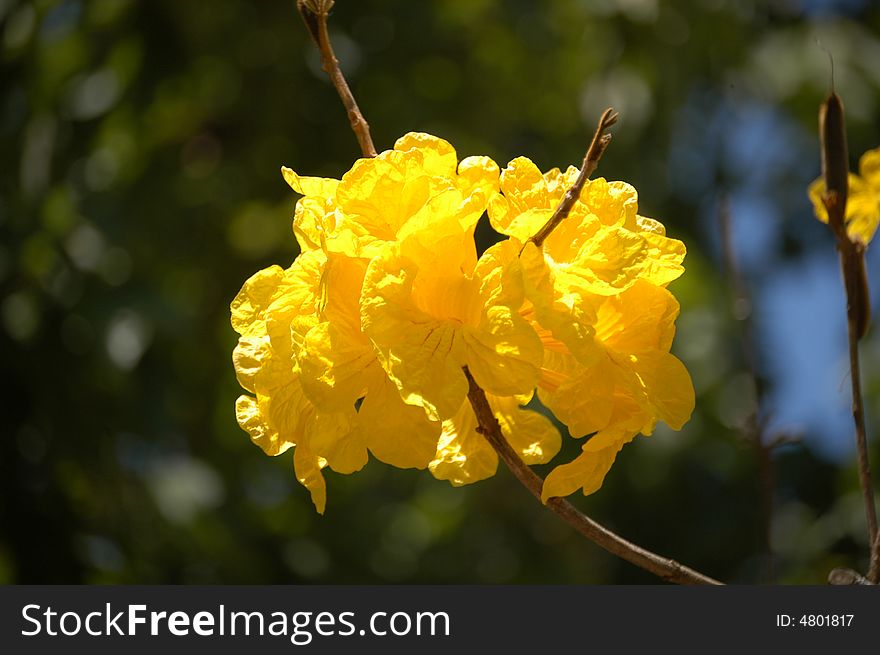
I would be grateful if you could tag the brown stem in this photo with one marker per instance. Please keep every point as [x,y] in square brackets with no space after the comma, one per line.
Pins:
[668,569]
[855,287]
[754,429]
[874,569]
[314,14]
[591,160]
[858,412]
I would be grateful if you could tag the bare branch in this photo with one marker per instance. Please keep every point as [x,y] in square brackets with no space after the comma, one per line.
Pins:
[874,570]
[665,568]
[314,14]
[835,170]
[591,161]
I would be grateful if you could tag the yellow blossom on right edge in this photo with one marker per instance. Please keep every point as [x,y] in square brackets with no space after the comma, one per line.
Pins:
[863,199]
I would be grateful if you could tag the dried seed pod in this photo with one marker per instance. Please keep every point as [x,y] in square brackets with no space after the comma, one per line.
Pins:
[835,157]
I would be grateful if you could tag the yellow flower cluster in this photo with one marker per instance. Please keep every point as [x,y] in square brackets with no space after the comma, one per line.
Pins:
[863,201]
[359,346]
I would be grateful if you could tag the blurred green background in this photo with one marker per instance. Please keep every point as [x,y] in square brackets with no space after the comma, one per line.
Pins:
[140,147]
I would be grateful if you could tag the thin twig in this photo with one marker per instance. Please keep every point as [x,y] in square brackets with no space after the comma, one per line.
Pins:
[874,569]
[668,569]
[858,412]
[855,286]
[754,429]
[591,160]
[314,14]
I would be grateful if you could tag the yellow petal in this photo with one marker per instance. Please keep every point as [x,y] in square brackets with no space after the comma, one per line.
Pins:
[568,314]
[322,187]
[587,471]
[667,386]
[281,401]
[580,397]
[438,156]
[532,435]
[869,168]
[334,367]
[398,434]
[478,172]
[308,223]
[504,353]
[640,319]
[250,303]
[247,412]
[337,438]
[613,203]
[463,455]
[307,467]
[248,357]
[423,355]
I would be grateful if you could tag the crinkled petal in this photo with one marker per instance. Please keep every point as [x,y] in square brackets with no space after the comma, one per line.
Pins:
[667,387]
[531,434]
[570,316]
[396,433]
[322,187]
[613,203]
[421,354]
[252,421]
[640,319]
[438,156]
[463,455]
[256,294]
[587,471]
[248,356]
[478,173]
[504,354]
[337,438]
[581,397]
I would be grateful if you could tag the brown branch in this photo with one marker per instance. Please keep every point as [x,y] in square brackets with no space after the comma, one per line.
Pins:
[874,569]
[314,14]
[858,412]
[835,171]
[754,429]
[856,289]
[591,161]
[668,569]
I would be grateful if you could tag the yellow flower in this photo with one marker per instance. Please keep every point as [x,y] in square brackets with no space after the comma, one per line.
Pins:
[863,199]
[431,311]
[385,197]
[360,345]
[599,250]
